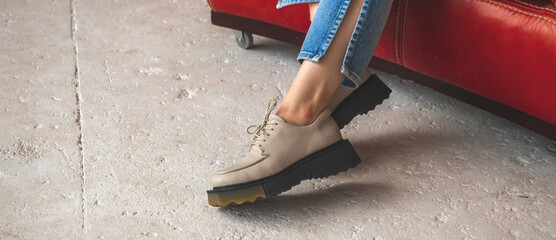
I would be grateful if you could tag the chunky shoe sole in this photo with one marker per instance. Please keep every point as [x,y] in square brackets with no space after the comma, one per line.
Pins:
[364,99]
[328,161]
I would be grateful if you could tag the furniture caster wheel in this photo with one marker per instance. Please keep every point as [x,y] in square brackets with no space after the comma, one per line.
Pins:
[243,39]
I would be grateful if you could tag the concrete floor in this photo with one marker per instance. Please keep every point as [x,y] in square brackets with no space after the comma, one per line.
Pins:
[124,147]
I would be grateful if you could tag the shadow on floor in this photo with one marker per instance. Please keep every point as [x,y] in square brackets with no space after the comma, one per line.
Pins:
[402,146]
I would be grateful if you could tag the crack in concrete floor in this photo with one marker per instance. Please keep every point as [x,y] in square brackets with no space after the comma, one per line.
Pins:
[79,112]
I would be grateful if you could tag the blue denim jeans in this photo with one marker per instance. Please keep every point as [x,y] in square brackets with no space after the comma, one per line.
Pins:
[364,38]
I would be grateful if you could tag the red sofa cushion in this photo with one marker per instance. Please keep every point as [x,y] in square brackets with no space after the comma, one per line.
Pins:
[504,50]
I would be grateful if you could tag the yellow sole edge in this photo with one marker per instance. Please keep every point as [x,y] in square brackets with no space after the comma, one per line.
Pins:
[236,196]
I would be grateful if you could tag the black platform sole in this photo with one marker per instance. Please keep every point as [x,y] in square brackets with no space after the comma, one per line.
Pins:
[364,99]
[326,162]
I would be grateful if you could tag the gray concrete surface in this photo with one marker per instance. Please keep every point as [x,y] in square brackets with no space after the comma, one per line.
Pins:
[124,147]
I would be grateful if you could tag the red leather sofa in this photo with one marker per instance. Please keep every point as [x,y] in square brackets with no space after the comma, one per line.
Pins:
[499,55]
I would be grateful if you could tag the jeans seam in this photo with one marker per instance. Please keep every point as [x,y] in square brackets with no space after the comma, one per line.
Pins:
[353,43]
[334,29]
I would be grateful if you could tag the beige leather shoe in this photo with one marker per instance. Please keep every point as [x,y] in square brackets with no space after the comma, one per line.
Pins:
[347,103]
[280,157]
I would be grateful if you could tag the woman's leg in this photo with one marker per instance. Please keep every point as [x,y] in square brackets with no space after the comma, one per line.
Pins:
[312,10]
[316,82]
[272,164]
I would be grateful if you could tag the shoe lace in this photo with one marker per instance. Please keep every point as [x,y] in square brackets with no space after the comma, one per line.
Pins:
[262,129]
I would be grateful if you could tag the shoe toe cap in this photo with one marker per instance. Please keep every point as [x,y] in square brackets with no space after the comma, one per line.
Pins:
[232,175]
[230,178]
[219,180]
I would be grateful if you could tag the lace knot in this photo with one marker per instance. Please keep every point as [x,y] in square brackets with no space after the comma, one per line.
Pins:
[258,129]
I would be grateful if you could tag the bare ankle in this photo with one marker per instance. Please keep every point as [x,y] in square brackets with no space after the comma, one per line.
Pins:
[300,116]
